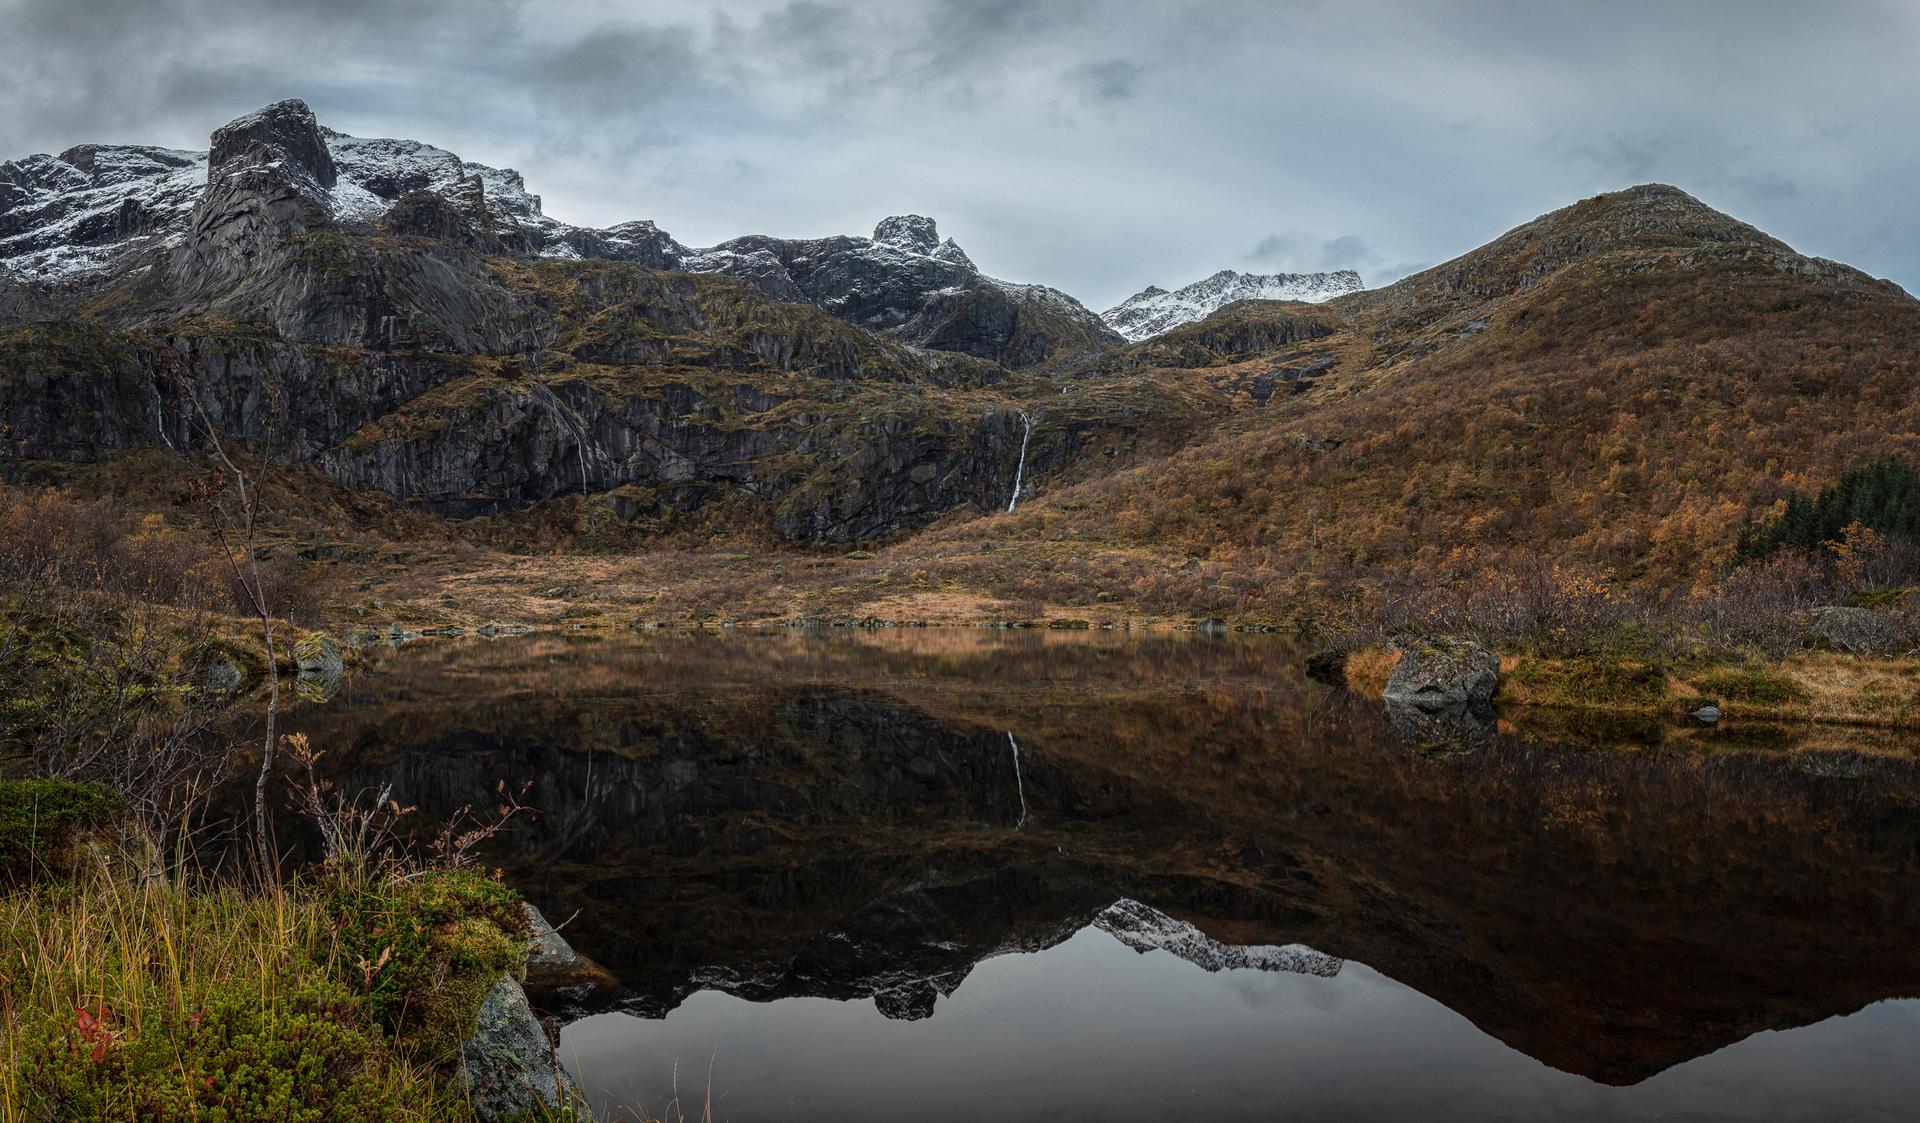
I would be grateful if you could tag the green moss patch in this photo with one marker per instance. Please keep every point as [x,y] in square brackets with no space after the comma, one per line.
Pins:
[41,819]
[304,1056]
[1594,682]
[430,948]
[1751,685]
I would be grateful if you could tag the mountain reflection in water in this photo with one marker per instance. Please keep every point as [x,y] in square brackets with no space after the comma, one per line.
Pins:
[1059,876]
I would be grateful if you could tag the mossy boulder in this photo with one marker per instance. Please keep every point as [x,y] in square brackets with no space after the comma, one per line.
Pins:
[1443,672]
[433,946]
[508,1068]
[317,653]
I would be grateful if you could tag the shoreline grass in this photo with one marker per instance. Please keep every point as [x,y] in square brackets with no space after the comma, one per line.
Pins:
[1813,687]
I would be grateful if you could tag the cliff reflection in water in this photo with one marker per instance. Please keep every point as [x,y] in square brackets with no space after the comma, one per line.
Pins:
[870,815]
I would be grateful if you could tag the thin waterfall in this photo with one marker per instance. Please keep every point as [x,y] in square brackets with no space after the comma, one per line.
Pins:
[1019,782]
[1020,475]
[160,418]
[571,417]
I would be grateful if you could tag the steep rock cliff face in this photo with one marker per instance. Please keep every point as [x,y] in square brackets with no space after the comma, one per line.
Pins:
[464,386]
[405,321]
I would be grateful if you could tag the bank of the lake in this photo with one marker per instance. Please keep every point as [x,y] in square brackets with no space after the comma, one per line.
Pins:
[1827,687]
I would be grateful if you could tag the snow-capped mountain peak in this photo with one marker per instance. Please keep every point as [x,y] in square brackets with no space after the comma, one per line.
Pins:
[910,232]
[98,212]
[1154,309]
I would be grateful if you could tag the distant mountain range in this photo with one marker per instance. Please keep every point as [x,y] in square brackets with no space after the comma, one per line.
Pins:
[1155,310]
[96,211]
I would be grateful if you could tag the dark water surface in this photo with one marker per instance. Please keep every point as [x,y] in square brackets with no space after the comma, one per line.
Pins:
[963,875]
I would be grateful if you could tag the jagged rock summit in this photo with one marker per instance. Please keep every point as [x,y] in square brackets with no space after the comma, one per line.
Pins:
[98,212]
[1154,310]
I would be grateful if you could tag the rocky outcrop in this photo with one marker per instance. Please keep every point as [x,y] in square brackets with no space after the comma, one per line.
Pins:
[906,283]
[1443,672]
[269,179]
[508,1068]
[554,966]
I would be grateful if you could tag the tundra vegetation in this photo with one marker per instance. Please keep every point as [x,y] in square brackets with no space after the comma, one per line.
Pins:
[150,968]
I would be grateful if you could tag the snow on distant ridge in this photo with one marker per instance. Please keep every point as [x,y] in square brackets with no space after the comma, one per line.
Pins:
[1145,928]
[1154,310]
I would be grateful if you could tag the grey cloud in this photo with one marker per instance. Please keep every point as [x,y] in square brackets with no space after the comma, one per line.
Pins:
[1094,144]
[1106,81]
[618,71]
[1304,253]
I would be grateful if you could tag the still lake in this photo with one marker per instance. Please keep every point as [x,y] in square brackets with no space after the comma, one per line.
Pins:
[965,874]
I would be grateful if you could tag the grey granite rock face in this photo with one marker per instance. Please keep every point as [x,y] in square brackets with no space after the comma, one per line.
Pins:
[269,179]
[910,232]
[508,1068]
[429,363]
[1444,672]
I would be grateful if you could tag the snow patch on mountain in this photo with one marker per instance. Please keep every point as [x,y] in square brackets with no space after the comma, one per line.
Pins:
[94,206]
[380,171]
[1145,928]
[1155,310]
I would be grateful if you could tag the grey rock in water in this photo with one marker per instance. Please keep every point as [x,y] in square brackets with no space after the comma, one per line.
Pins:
[220,676]
[1706,714]
[508,1068]
[318,654]
[1860,631]
[1444,672]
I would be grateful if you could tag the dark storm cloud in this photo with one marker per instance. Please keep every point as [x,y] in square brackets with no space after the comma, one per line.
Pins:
[1100,145]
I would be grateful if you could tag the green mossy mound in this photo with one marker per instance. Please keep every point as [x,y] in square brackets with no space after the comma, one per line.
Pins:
[41,820]
[304,1056]
[431,948]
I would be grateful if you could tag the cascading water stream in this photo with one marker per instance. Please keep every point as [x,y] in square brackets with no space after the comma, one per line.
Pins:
[572,417]
[1020,470]
[160,418]
[1019,781]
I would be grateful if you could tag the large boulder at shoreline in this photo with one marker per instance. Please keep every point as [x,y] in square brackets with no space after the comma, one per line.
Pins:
[317,653]
[553,964]
[509,1069]
[1442,673]
[1859,631]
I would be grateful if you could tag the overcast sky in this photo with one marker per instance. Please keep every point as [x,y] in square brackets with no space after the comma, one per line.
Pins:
[1096,145]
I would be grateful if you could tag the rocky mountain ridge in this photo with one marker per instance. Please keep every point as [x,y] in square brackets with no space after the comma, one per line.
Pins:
[95,212]
[1154,310]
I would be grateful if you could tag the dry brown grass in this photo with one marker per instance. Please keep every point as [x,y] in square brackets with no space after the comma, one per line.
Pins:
[1368,670]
